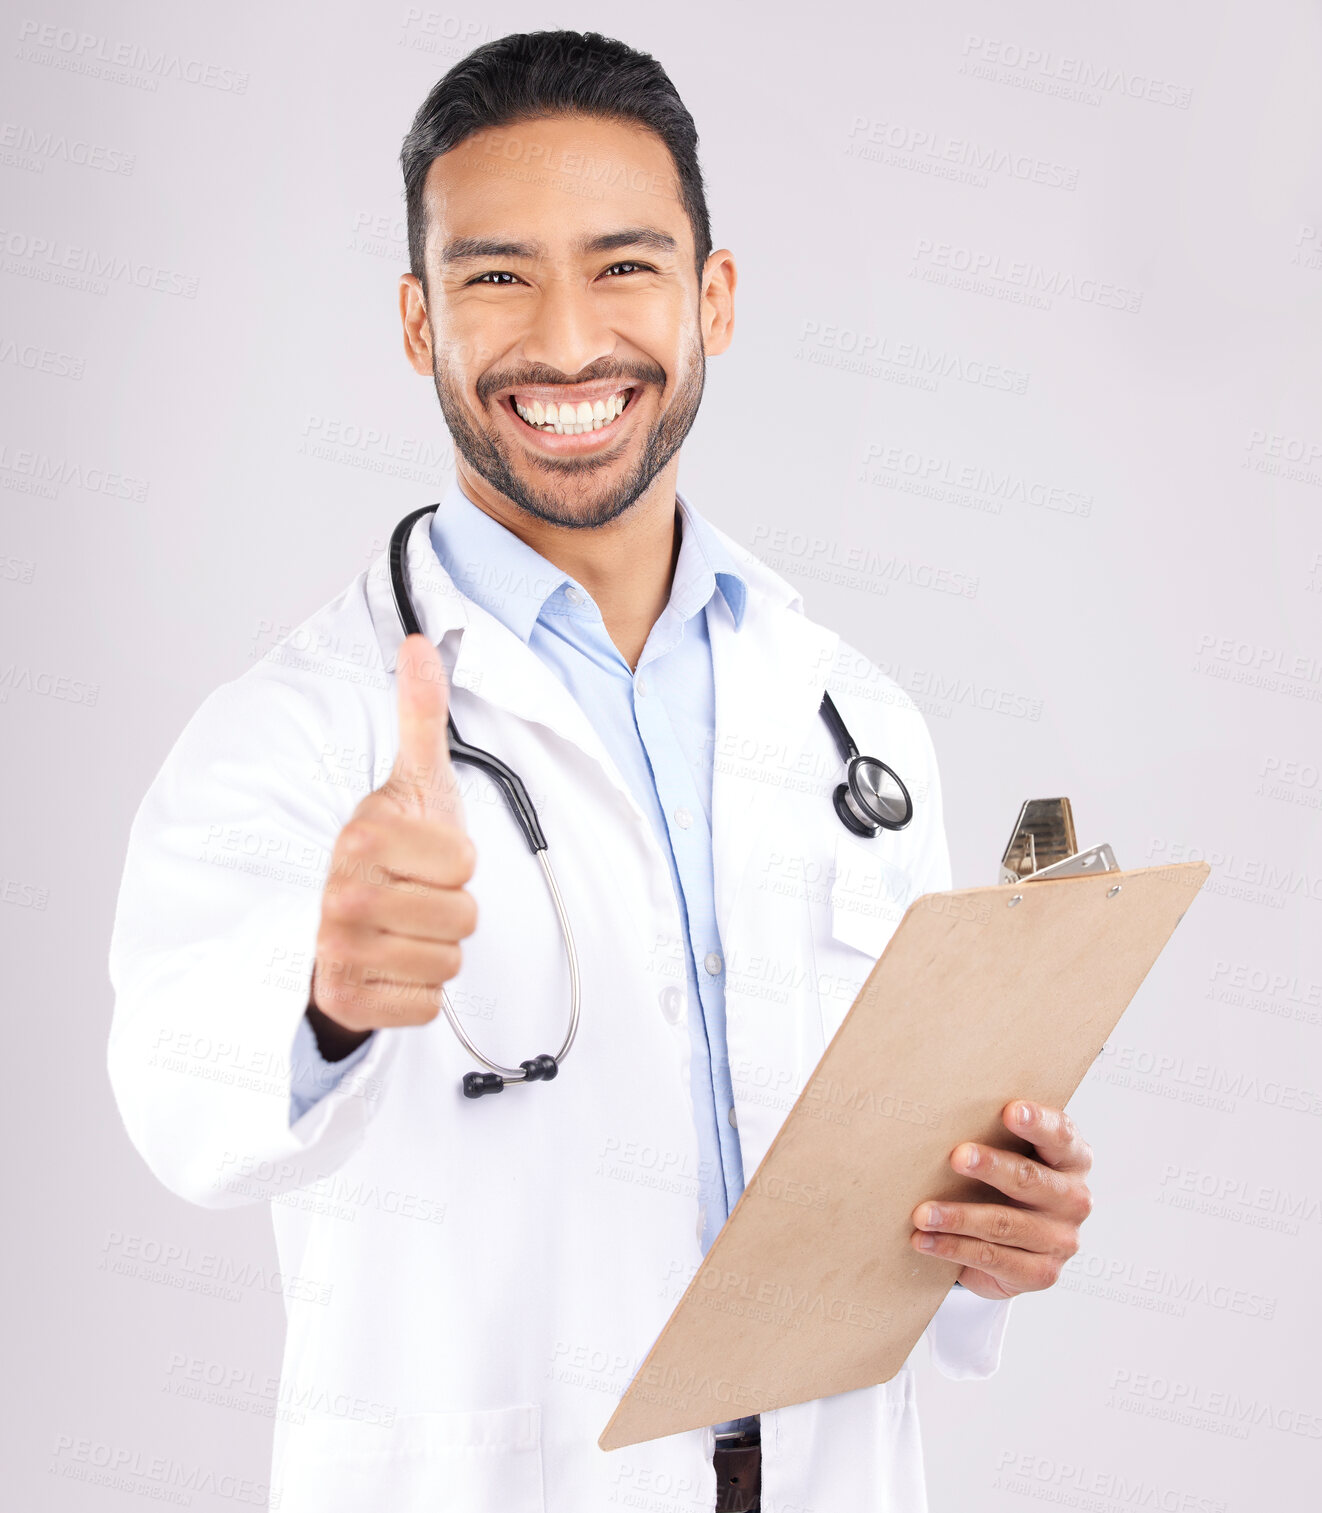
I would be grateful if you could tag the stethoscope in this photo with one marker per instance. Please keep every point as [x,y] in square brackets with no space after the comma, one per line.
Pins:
[872,798]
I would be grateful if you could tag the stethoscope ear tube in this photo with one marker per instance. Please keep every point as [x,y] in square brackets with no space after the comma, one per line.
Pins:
[399,540]
[506,779]
[539,1069]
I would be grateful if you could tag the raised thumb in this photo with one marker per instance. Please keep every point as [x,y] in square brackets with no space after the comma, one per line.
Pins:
[423,773]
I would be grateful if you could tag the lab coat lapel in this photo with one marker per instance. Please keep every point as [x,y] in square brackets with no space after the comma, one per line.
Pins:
[483,656]
[769,677]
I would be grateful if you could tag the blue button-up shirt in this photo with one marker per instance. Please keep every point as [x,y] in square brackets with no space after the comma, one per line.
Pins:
[657,725]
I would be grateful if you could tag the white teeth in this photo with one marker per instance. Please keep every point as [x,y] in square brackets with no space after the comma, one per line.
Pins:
[572,420]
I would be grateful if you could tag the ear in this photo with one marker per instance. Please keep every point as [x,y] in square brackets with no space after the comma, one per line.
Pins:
[417,330]
[716,301]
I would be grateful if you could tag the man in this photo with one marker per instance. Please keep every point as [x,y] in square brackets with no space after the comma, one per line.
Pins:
[310,871]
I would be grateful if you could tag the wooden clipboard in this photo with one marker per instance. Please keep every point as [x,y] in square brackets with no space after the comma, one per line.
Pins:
[982,995]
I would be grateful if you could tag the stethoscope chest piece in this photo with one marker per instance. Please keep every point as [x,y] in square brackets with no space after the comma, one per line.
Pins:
[872,798]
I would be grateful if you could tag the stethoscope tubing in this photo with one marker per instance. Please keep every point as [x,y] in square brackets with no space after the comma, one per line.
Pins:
[525,813]
[851,801]
[519,1074]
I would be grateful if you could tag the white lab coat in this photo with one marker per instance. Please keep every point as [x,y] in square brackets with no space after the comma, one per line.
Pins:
[470,1285]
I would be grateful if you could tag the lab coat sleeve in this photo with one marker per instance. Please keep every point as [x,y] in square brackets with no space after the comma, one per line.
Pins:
[966,1334]
[967,1331]
[311,1075]
[213,945]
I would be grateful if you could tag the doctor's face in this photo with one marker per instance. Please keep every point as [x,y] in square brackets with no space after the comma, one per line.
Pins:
[563,320]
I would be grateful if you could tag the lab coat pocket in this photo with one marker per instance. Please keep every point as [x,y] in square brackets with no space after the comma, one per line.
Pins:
[869,895]
[488,1461]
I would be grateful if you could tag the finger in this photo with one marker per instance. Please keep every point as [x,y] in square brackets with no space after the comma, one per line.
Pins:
[401,908]
[1022,1228]
[423,775]
[380,1006]
[1014,1270]
[1026,1181]
[397,981]
[382,847]
[1052,1132]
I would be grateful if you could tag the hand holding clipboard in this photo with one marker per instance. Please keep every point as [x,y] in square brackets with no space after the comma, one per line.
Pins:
[982,998]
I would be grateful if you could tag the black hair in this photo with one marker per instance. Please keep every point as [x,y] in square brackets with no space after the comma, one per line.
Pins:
[531,75]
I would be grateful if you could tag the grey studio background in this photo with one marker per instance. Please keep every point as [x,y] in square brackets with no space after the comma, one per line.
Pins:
[1024,396]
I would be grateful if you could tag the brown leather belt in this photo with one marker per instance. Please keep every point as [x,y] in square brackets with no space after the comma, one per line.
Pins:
[738,1463]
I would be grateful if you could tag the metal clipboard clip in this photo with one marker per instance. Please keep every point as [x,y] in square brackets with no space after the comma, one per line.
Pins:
[1044,845]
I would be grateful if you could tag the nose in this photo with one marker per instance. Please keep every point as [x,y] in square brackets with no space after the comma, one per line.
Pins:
[567,332]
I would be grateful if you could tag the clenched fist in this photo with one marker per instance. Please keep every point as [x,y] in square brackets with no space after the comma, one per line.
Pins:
[395,907]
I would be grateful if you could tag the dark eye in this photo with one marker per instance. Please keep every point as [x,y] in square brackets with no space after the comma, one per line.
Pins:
[494,275]
[630,266]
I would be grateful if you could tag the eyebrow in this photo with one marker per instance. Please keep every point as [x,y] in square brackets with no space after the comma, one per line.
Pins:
[468,248]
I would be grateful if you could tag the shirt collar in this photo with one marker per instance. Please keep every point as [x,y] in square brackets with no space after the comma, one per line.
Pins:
[713,564]
[492,566]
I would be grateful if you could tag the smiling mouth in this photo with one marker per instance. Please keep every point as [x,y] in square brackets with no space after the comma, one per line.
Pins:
[572,419]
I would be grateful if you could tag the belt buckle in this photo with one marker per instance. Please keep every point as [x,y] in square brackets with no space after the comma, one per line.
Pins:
[738,1465]
[740,1439]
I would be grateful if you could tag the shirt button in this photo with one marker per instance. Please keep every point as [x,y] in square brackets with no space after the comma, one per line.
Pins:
[713,963]
[683,818]
[672,1004]
[734,1123]
[640,685]
[574,595]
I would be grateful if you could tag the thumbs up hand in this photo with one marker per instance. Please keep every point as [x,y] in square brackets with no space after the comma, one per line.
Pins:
[395,907]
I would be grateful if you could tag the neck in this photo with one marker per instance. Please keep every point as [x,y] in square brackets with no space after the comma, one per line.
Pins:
[626,565]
